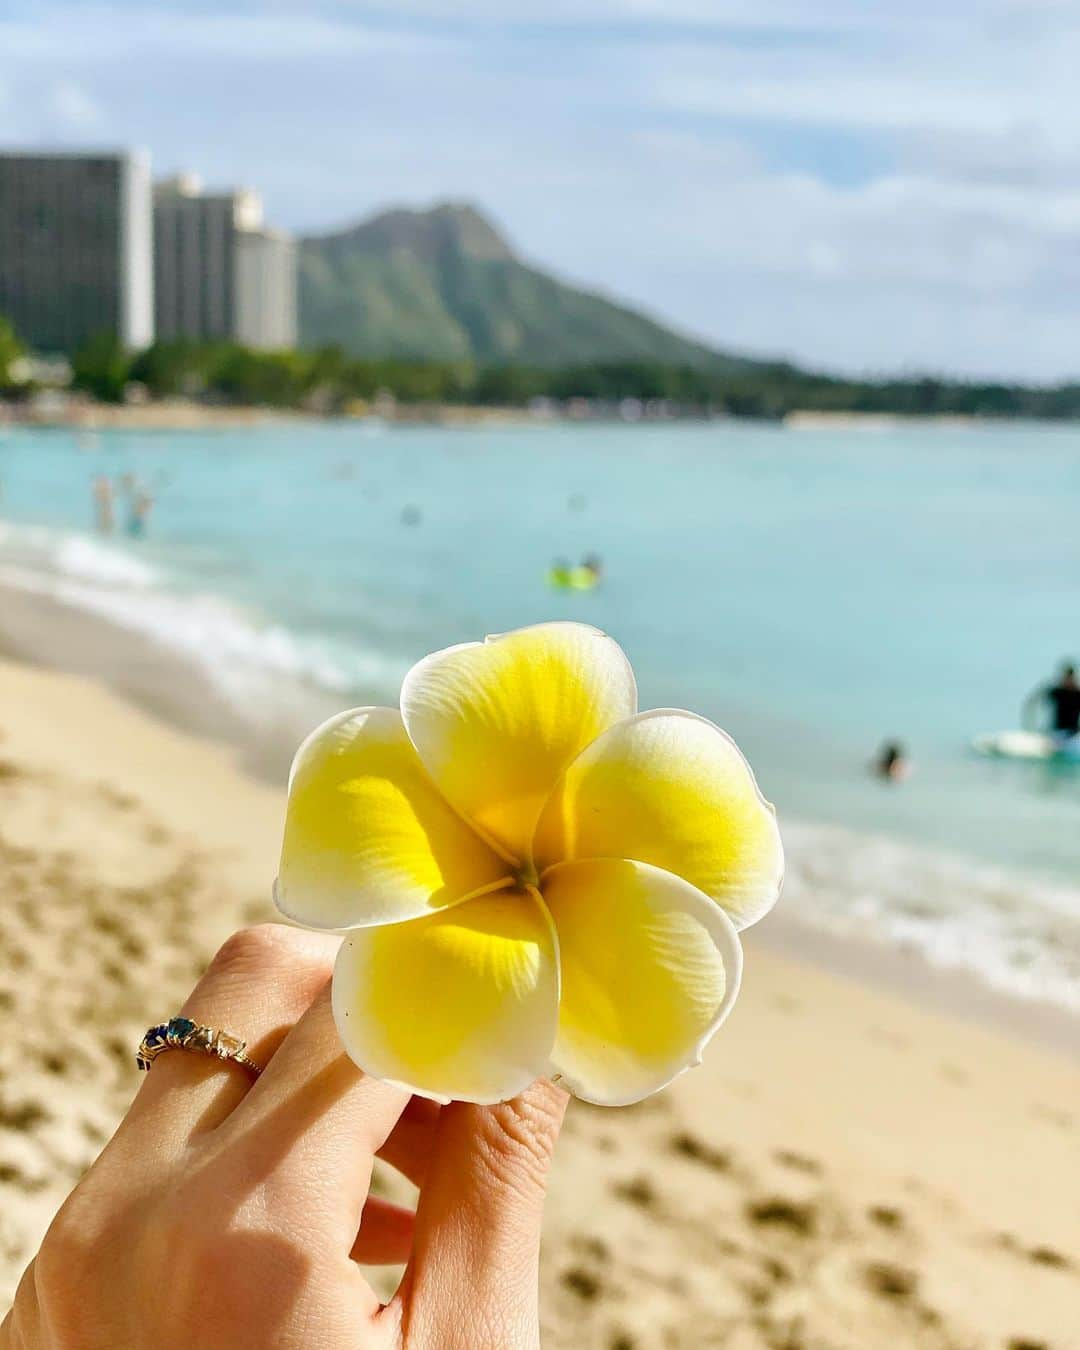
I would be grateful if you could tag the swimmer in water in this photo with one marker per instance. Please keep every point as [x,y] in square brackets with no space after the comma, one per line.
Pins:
[892,763]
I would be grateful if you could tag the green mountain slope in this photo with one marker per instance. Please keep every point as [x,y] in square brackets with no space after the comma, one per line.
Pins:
[442,285]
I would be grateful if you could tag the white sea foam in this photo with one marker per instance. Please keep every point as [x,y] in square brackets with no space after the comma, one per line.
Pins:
[79,556]
[37,548]
[242,656]
[1019,934]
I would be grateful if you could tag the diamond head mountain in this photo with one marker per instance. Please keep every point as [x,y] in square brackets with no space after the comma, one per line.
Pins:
[444,285]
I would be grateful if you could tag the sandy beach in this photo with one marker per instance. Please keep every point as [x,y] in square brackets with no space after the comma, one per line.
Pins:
[846,1170]
[179,414]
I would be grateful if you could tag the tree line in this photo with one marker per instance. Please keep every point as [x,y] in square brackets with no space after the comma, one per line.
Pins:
[328,380]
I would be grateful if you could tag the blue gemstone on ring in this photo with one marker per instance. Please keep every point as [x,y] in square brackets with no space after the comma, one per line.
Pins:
[179,1027]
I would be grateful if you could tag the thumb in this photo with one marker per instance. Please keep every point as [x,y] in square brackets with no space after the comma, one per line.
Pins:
[472,1280]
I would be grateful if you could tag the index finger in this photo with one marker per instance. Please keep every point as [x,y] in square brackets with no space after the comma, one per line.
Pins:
[258,986]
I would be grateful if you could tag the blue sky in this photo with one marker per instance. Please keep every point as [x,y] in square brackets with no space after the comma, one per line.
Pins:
[859,185]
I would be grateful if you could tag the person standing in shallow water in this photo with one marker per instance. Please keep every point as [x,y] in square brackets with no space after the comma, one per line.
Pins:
[139,502]
[139,513]
[1063,700]
[104,514]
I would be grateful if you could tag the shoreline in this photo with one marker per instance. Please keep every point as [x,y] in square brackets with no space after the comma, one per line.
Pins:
[38,629]
[90,418]
[87,418]
[44,631]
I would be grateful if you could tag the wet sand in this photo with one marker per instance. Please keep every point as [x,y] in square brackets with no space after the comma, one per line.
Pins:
[851,1168]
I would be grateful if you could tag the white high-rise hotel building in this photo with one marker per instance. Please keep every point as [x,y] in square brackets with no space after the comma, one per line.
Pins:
[218,273]
[88,246]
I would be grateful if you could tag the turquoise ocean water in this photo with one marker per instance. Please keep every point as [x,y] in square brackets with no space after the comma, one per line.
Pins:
[812,591]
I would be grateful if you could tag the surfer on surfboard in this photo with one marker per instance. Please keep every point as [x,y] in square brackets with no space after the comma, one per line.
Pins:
[1063,701]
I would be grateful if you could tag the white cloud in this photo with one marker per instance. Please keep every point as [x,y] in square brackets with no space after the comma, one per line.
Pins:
[93,32]
[943,76]
[753,15]
[74,109]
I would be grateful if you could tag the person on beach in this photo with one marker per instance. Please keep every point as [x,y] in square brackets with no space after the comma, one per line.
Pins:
[231,1208]
[1063,701]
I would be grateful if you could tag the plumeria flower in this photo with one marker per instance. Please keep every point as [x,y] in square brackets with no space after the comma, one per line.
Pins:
[533,877]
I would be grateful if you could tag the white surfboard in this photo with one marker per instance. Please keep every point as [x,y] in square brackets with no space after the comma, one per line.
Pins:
[1024,745]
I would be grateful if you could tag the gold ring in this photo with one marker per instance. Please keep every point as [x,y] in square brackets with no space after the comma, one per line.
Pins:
[181,1033]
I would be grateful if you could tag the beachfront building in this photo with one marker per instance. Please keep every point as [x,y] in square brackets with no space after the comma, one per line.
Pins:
[265,313]
[75,247]
[219,275]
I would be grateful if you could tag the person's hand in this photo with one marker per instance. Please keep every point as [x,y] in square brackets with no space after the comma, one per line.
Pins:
[229,1213]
